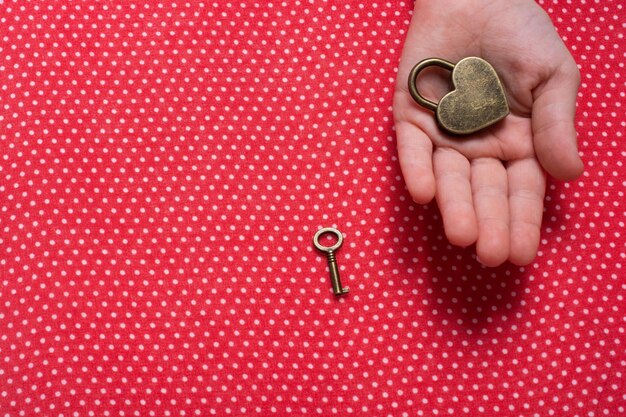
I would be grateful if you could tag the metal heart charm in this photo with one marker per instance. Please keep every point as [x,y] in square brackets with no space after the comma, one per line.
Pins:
[477,101]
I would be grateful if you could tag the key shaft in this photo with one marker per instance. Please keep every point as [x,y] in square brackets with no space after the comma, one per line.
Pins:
[334,274]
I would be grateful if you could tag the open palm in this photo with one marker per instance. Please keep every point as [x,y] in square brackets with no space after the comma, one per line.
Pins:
[490,186]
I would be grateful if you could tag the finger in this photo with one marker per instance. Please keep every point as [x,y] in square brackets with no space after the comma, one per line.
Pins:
[454,196]
[415,152]
[527,187]
[490,193]
[554,133]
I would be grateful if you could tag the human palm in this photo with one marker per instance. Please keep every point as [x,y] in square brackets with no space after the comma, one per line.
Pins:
[490,186]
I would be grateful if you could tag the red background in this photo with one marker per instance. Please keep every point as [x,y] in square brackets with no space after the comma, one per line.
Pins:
[165,166]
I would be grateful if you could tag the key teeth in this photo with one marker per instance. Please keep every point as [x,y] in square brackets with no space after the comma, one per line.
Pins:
[342,292]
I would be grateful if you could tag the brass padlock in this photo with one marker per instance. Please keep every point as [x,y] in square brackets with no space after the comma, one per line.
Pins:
[477,101]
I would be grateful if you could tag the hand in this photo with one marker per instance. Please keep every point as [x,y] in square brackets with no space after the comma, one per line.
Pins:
[490,186]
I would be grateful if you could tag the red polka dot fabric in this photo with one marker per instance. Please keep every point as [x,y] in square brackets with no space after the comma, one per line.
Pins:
[164,167]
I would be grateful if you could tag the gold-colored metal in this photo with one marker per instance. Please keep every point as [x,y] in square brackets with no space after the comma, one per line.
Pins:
[330,255]
[477,101]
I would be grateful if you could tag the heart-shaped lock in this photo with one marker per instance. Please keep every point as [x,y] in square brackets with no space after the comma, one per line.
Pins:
[477,101]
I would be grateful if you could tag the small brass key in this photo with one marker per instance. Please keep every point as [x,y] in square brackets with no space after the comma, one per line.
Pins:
[477,101]
[330,255]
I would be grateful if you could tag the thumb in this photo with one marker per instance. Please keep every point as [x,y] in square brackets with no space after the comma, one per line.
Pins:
[554,133]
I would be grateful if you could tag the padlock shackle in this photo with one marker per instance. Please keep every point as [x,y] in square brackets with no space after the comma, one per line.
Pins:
[437,62]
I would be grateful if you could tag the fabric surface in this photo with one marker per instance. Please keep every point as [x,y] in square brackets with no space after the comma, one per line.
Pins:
[164,167]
